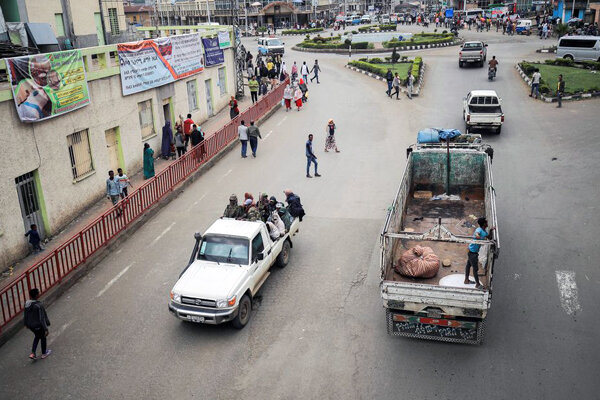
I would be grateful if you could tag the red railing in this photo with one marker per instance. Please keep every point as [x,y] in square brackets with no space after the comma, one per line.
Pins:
[67,257]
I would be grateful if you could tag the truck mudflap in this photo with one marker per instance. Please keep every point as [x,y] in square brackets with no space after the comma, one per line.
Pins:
[445,330]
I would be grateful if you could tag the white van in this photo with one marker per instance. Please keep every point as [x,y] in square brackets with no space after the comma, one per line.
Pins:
[385,19]
[579,48]
[472,14]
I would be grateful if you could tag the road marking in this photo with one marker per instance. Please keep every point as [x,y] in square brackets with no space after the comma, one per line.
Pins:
[56,334]
[568,291]
[225,175]
[163,233]
[268,134]
[113,280]
[281,122]
[196,203]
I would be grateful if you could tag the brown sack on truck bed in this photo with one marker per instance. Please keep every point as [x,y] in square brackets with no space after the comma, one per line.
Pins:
[418,262]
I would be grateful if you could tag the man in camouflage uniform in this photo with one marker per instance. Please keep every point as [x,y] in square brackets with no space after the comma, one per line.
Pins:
[251,212]
[263,207]
[233,209]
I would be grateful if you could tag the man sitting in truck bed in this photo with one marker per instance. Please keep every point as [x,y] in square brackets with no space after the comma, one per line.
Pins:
[233,209]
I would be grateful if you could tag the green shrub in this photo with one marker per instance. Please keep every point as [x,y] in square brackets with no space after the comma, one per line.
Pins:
[364,59]
[544,89]
[376,60]
[262,29]
[444,32]
[593,65]
[564,62]
[387,27]
[377,70]
[293,31]
[529,69]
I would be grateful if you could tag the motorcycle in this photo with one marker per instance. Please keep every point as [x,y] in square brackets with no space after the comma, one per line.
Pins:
[491,73]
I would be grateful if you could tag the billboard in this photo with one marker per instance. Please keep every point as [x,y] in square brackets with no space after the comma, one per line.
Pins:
[151,63]
[214,54]
[47,85]
[224,39]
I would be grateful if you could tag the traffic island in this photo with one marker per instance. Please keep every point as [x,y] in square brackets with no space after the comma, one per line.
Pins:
[377,68]
[294,32]
[339,45]
[582,80]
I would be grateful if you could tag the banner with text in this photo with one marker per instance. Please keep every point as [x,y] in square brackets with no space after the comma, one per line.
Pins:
[155,62]
[224,39]
[47,85]
[214,54]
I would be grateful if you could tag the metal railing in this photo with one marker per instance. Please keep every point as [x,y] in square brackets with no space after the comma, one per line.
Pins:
[64,259]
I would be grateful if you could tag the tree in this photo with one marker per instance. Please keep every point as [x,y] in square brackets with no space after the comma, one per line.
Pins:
[395,56]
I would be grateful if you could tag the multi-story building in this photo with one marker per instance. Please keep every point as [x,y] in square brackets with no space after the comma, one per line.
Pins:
[80,23]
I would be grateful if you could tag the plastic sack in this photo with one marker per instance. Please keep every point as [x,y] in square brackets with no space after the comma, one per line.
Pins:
[428,135]
[418,262]
[282,102]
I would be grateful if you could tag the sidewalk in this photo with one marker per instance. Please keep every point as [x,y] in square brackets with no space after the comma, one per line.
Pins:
[210,126]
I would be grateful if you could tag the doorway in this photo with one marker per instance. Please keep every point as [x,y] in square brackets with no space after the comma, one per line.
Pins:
[30,202]
[99,29]
[209,105]
[112,147]
[167,111]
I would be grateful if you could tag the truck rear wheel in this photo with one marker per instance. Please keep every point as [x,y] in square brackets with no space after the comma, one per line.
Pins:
[284,257]
[460,64]
[498,130]
[243,316]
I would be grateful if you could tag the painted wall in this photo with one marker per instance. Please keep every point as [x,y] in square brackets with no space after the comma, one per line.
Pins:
[43,11]
[43,146]
[82,14]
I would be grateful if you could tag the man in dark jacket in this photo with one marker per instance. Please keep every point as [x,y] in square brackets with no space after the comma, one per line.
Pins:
[37,321]
[197,137]
[294,206]
[253,135]
[389,77]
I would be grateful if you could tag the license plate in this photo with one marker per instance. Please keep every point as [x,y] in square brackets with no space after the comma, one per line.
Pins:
[434,327]
[194,318]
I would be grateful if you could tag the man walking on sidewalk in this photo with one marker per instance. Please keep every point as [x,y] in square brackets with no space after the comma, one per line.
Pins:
[123,181]
[253,135]
[113,189]
[304,71]
[315,70]
[310,157]
[253,86]
[410,80]
[243,135]
[560,89]
[187,128]
[36,320]
[389,77]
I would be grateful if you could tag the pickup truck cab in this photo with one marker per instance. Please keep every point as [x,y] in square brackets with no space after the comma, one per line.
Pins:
[474,52]
[482,109]
[270,46]
[228,266]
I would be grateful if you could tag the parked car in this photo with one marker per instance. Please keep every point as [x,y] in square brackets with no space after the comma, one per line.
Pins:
[579,48]
[365,19]
[482,109]
[474,52]
[385,19]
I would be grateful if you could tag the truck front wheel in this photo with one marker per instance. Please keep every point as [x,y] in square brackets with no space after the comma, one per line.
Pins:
[241,320]
[284,257]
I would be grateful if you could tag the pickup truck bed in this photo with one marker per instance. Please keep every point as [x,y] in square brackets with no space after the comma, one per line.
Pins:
[492,109]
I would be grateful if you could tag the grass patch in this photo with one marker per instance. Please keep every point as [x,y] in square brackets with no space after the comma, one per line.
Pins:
[380,69]
[577,80]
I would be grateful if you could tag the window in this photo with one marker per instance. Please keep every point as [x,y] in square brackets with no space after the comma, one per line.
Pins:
[257,246]
[223,249]
[222,81]
[146,118]
[114,21]
[586,44]
[80,153]
[192,93]
[60,25]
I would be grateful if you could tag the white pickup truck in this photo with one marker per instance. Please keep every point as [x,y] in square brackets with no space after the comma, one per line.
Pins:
[228,266]
[482,109]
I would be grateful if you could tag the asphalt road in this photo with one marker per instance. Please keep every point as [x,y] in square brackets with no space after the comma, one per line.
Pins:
[318,329]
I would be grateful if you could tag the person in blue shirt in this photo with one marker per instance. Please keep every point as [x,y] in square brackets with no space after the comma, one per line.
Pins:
[310,157]
[481,233]
[113,189]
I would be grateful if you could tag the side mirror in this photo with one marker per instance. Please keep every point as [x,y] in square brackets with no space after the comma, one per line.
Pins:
[485,45]
[260,256]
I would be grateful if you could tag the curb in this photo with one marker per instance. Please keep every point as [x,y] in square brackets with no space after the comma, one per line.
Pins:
[71,279]
[547,99]
[379,78]
[375,51]
[298,34]
[545,51]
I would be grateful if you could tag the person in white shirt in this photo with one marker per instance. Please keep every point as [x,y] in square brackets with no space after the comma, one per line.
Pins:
[535,83]
[243,135]
[304,71]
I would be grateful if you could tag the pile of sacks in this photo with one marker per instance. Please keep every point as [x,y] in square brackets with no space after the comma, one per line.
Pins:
[418,262]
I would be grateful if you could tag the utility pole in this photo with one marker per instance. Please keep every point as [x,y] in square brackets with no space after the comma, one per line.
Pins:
[238,50]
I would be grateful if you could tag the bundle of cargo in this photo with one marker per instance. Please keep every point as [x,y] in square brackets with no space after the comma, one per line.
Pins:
[418,262]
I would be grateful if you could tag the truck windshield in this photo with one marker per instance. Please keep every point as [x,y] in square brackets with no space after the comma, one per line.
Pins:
[224,250]
[472,46]
[275,42]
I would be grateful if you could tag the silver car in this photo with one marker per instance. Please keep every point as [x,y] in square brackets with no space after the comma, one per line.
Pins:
[579,48]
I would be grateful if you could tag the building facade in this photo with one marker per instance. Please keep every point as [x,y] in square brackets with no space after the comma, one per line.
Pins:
[58,167]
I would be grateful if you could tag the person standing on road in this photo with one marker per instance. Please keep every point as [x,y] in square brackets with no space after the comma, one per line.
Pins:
[253,86]
[294,205]
[187,128]
[410,81]
[389,77]
[243,135]
[535,83]
[113,189]
[298,97]
[304,71]
[294,71]
[288,95]
[36,320]
[253,135]
[315,70]
[396,86]
[330,138]
[560,90]
[123,181]
[233,108]
[310,157]
[473,255]
[148,161]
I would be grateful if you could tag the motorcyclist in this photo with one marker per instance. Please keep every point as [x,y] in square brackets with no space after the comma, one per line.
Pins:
[493,64]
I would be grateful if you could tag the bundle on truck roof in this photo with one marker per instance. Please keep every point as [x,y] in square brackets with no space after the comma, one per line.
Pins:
[445,188]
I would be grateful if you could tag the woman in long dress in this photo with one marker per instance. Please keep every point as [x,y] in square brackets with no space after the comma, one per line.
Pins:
[148,161]
[298,97]
[330,138]
[167,140]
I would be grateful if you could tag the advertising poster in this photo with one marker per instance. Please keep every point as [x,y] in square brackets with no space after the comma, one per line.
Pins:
[224,39]
[214,54]
[148,64]
[47,85]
